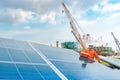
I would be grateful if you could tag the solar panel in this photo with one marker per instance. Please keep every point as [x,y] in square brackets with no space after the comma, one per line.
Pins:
[14,44]
[67,61]
[18,55]
[37,72]
[94,71]
[18,61]
[9,72]
[34,57]
[58,53]
[21,60]
[4,56]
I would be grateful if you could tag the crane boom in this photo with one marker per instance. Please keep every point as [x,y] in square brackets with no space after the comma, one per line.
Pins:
[79,39]
[117,42]
[74,28]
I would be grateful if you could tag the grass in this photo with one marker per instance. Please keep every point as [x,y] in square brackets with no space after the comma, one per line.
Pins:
[118,58]
[105,63]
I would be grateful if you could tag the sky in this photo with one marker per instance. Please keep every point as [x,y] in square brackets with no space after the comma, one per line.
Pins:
[45,22]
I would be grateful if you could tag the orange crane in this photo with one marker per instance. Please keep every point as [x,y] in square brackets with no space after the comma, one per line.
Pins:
[74,28]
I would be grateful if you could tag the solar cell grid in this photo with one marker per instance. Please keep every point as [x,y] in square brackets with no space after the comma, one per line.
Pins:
[14,44]
[9,72]
[27,71]
[58,53]
[4,55]
[94,71]
[18,55]
[34,57]
[20,61]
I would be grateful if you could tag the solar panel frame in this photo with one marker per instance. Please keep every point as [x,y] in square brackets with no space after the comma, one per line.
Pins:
[56,64]
[94,71]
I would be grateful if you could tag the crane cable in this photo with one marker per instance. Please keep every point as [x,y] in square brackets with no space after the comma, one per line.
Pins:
[78,25]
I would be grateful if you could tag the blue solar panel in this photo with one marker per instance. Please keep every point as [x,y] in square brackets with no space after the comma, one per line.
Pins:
[1,43]
[18,51]
[92,71]
[18,55]
[4,56]
[47,72]
[20,60]
[37,72]
[8,72]
[34,57]
[29,72]
[14,44]
[58,53]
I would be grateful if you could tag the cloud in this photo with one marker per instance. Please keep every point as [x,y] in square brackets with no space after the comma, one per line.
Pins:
[48,17]
[47,36]
[111,7]
[106,7]
[14,16]
[38,6]
[84,5]
[21,11]
[47,9]
[103,27]
[27,27]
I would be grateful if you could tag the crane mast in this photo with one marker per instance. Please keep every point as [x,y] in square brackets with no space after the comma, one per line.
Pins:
[117,42]
[79,39]
[74,28]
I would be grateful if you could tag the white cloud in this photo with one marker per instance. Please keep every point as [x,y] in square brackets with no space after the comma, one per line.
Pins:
[44,18]
[46,36]
[103,27]
[48,17]
[37,6]
[21,11]
[14,16]
[27,27]
[52,17]
[96,8]
[111,7]
[47,9]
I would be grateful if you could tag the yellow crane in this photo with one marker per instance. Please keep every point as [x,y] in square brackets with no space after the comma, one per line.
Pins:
[74,28]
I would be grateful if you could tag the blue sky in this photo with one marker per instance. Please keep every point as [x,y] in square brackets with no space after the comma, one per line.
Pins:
[42,21]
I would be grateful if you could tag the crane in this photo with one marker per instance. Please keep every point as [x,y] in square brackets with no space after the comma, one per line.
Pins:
[79,39]
[116,41]
[74,28]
